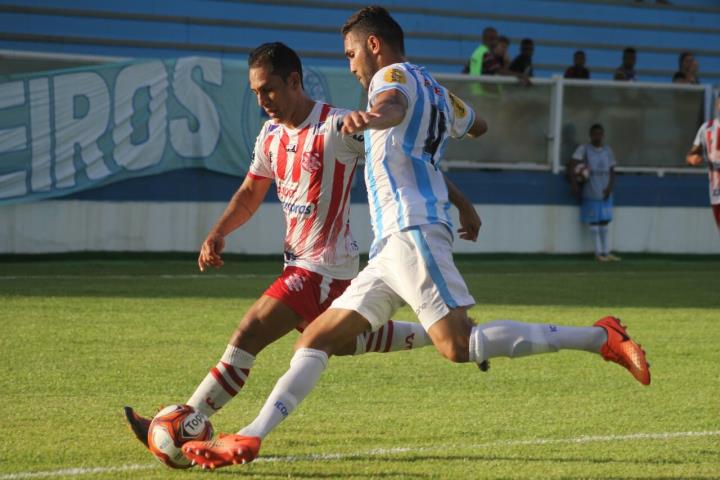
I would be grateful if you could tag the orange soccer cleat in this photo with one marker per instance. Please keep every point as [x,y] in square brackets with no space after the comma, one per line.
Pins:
[227,449]
[623,350]
[139,425]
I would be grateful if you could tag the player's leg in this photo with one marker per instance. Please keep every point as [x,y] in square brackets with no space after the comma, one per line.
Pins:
[267,320]
[366,304]
[441,303]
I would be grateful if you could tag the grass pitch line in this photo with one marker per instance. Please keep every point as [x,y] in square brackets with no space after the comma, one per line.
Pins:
[74,472]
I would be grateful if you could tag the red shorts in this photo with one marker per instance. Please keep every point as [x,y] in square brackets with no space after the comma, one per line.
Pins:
[716,213]
[307,293]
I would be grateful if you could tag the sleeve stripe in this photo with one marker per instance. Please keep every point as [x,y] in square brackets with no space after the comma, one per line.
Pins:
[257,177]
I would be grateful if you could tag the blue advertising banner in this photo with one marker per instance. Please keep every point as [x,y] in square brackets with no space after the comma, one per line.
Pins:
[70,130]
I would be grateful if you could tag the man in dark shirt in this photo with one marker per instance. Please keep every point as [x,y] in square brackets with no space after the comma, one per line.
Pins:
[578,69]
[687,69]
[626,71]
[522,67]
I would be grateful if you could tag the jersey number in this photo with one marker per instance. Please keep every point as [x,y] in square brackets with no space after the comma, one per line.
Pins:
[436,132]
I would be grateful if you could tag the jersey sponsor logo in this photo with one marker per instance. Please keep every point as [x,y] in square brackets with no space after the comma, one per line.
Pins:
[458,107]
[311,162]
[294,282]
[297,208]
[395,75]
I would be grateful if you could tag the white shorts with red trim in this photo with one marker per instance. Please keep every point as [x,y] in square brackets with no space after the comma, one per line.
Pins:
[413,266]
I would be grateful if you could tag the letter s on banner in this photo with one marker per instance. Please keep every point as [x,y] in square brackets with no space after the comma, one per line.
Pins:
[153,76]
[202,140]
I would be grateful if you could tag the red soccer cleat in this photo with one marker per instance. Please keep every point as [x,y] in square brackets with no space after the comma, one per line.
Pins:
[621,349]
[139,425]
[227,449]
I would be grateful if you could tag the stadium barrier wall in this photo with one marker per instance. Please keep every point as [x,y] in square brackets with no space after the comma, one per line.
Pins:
[77,225]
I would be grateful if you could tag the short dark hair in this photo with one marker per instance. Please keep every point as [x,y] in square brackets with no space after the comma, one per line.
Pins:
[526,41]
[375,20]
[503,39]
[629,50]
[281,59]
[682,58]
[596,126]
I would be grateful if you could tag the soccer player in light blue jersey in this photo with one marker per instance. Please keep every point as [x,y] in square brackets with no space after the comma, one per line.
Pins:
[407,124]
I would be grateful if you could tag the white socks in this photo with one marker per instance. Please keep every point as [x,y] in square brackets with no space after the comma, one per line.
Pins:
[306,367]
[506,338]
[223,382]
[600,238]
[604,240]
[393,336]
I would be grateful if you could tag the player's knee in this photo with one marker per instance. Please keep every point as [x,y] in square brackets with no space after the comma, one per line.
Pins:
[249,334]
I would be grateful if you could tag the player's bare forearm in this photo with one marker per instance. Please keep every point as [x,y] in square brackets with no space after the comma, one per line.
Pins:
[479,127]
[242,206]
[388,111]
[470,222]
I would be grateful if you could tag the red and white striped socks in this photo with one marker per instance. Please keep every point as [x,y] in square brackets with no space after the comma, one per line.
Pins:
[223,382]
[393,336]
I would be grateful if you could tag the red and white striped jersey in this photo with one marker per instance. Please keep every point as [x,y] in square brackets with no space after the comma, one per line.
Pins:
[313,167]
[708,137]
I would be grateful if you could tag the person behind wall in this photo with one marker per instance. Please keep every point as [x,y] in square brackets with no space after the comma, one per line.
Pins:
[592,178]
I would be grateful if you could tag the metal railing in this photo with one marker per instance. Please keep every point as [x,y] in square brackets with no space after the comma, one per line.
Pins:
[649,126]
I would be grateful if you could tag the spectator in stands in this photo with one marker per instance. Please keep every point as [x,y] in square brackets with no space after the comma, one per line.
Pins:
[687,69]
[592,177]
[578,69]
[482,61]
[502,55]
[522,66]
[626,71]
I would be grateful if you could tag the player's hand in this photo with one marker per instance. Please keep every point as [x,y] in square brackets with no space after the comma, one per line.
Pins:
[694,160]
[210,251]
[470,224]
[357,121]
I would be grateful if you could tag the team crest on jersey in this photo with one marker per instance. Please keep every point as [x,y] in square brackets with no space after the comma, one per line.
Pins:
[458,107]
[395,75]
[311,162]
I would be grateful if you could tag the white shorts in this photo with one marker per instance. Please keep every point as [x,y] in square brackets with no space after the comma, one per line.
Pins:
[414,266]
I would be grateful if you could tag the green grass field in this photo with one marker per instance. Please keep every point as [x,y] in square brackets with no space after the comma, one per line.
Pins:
[83,336]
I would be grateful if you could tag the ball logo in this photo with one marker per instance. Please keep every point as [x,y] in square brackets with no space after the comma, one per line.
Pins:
[194,425]
[311,162]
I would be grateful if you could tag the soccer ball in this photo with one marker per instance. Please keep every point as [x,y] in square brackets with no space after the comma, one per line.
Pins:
[581,172]
[171,428]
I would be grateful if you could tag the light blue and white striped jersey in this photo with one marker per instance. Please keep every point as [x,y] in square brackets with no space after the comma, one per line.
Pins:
[404,183]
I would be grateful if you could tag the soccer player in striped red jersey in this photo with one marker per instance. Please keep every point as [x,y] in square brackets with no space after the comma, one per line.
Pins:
[301,148]
[707,147]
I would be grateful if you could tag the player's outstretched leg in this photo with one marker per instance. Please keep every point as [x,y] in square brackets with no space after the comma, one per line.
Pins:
[607,337]
[138,424]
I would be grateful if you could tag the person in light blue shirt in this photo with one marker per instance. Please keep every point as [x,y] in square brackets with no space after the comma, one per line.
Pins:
[594,179]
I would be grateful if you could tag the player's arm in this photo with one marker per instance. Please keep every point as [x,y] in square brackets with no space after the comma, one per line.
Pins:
[241,208]
[469,219]
[694,156]
[611,184]
[478,127]
[388,110]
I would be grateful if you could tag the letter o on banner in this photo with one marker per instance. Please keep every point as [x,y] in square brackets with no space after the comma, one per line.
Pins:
[153,77]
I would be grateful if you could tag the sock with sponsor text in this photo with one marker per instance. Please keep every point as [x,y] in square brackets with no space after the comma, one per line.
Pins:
[393,336]
[306,367]
[223,382]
